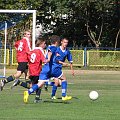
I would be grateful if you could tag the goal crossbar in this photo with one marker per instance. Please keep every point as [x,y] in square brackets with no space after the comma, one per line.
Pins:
[34,20]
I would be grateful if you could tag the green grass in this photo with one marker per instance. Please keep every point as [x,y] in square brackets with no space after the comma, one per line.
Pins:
[106,107]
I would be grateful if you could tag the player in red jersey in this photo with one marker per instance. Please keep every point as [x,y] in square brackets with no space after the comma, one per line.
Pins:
[22,46]
[35,59]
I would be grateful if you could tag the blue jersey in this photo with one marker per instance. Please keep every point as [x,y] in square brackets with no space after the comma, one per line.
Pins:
[47,67]
[52,49]
[62,55]
[45,74]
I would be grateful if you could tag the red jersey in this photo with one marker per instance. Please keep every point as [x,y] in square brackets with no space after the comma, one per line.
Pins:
[35,57]
[22,47]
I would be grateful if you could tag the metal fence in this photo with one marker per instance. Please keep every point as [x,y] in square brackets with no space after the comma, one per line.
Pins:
[13,61]
[2,56]
[103,58]
[85,57]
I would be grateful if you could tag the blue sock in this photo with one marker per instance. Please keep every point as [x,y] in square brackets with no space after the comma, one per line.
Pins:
[51,83]
[34,88]
[64,88]
[38,92]
[25,85]
[9,79]
[54,89]
[46,84]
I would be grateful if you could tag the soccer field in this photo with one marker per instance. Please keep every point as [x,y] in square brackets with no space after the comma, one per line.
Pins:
[106,107]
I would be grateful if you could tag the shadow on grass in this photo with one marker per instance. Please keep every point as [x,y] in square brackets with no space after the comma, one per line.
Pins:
[55,101]
[72,98]
[76,98]
[58,101]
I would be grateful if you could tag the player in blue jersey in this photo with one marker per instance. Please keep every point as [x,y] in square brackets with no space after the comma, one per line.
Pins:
[54,70]
[45,73]
[61,54]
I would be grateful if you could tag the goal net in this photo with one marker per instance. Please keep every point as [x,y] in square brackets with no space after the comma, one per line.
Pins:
[12,26]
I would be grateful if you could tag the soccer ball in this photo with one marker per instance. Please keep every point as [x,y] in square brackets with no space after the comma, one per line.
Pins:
[93,95]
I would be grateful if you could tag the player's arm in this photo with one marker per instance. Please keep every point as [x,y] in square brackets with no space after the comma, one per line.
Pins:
[59,60]
[71,67]
[27,46]
[66,64]
[69,58]
[63,63]
[49,57]
[28,56]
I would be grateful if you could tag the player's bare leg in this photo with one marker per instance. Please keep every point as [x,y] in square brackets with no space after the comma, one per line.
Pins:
[26,74]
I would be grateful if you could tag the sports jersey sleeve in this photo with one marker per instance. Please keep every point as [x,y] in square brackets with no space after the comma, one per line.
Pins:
[29,55]
[51,49]
[69,57]
[27,45]
[42,56]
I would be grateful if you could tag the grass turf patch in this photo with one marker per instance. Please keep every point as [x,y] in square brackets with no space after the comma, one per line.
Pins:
[106,107]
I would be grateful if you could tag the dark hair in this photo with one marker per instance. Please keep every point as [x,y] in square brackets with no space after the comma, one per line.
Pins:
[64,38]
[39,41]
[54,39]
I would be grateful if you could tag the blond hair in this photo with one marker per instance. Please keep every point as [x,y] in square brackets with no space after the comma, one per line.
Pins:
[27,31]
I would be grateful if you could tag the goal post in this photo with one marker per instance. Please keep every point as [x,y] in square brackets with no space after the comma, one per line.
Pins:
[33,12]
[3,50]
[3,55]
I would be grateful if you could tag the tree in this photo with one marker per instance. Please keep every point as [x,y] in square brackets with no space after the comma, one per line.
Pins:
[80,20]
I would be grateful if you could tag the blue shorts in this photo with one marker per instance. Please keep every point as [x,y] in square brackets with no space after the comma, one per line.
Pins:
[57,73]
[44,76]
[45,73]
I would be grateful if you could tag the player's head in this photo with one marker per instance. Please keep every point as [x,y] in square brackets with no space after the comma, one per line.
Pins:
[64,42]
[27,34]
[40,42]
[55,40]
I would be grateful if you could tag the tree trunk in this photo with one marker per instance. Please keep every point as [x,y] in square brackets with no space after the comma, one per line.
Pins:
[93,39]
[116,39]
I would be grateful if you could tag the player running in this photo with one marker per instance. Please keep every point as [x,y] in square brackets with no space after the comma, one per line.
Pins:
[54,70]
[35,59]
[61,54]
[22,46]
[46,70]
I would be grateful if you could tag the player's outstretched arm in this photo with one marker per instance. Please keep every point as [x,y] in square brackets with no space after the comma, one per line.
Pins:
[71,67]
[63,63]
[66,64]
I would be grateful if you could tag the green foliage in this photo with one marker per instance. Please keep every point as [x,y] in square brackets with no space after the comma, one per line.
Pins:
[69,17]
